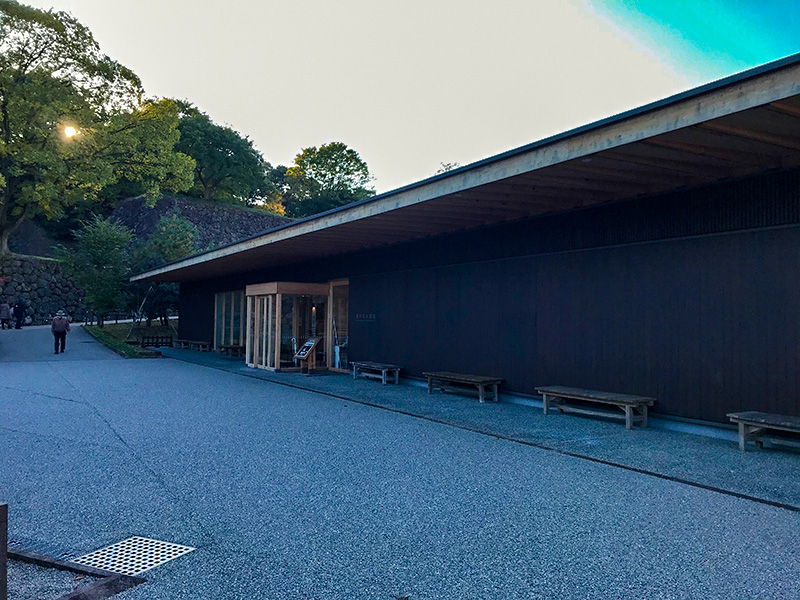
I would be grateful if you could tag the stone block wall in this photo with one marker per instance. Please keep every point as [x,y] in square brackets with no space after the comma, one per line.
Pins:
[43,285]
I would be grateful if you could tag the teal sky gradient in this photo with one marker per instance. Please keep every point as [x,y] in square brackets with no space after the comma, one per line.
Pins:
[708,39]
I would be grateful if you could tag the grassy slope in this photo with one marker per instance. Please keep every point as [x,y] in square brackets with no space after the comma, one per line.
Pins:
[114,336]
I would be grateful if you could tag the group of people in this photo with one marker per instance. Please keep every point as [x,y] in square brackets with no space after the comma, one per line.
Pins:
[59,327]
[7,311]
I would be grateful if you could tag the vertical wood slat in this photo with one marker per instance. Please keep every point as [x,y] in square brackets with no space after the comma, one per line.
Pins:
[242,318]
[278,311]
[249,357]
[329,329]
[216,320]
[270,333]
[232,311]
[258,319]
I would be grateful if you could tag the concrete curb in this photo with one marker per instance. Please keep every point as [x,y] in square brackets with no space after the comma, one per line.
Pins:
[107,585]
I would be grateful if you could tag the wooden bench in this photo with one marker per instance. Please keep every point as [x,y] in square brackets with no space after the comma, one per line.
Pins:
[232,349]
[155,341]
[556,396]
[193,345]
[753,424]
[373,370]
[458,382]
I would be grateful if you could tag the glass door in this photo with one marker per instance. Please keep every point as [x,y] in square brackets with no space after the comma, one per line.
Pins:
[340,325]
[281,316]
[261,331]
[303,316]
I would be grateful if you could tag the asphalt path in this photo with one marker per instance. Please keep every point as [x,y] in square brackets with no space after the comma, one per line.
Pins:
[287,493]
[35,344]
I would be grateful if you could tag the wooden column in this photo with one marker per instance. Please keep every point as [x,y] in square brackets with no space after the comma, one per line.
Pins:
[270,333]
[329,330]
[278,310]
[248,337]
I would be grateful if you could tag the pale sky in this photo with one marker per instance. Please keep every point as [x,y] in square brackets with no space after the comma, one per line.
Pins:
[412,84]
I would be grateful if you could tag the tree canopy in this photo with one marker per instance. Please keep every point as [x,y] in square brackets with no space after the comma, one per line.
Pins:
[324,178]
[73,122]
[227,165]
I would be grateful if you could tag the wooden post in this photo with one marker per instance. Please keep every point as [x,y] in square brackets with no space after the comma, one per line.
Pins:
[268,336]
[3,551]
[278,316]
[742,436]
[248,334]
[329,330]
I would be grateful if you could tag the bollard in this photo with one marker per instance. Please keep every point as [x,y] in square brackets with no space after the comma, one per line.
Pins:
[3,551]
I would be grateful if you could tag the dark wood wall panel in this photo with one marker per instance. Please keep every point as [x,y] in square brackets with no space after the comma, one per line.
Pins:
[707,325]
[196,310]
[691,297]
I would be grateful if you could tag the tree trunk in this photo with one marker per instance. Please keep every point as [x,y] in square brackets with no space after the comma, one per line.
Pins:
[4,235]
[8,230]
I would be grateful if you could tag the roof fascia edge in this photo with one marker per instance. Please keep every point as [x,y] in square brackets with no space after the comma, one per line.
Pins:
[684,110]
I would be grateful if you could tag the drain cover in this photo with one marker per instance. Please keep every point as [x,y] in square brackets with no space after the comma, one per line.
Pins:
[133,556]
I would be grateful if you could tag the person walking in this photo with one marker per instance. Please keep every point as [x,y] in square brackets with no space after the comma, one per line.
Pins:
[60,329]
[19,313]
[5,315]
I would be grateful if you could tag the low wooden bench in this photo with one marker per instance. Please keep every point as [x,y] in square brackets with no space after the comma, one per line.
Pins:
[232,349]
[155,341]
[556,396]
[459,382]
[753,424]
[373,370]
[193,345]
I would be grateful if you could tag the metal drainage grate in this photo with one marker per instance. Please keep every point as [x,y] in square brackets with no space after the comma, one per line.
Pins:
[133,556]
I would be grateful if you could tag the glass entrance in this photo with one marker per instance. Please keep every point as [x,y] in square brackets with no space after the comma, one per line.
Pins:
[303,316]
[281,317]
[260,350]
[340,326]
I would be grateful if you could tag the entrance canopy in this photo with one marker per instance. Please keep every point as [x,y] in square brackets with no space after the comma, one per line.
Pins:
[739,126]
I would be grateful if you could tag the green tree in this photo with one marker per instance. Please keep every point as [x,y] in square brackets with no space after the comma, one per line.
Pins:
[72,121]
[227,165]
[100,263]
[173,239]
[324,178]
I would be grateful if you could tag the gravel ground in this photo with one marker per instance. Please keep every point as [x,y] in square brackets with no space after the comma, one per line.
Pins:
[30,582]
[711,460]
[288,493]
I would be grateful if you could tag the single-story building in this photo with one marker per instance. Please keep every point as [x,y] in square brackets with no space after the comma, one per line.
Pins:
[656,252]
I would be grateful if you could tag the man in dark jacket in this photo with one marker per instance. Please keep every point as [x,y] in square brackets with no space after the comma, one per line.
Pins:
[60,329]
[19,313]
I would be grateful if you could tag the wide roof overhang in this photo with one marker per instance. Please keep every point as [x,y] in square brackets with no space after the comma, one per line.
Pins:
[739,126]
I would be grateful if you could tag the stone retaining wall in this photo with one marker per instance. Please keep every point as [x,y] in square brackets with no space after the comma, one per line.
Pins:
[217,223]
[43,285]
